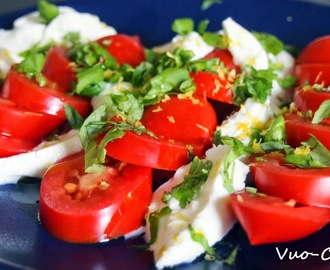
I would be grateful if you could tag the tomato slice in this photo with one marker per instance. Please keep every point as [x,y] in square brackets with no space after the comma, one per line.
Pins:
[188,120]
[299,129]
[225,57]
[316,51]
[306,98]
[125,49]
[21,123]
[85,208]
[10,146]
[213,86]
[306,186]
[58,68]
[48,100]
[269,219]
[177,123]
[313,74]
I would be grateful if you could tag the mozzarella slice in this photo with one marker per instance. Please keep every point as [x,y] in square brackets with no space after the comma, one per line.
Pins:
[36,162]
[210,213]
[244,46]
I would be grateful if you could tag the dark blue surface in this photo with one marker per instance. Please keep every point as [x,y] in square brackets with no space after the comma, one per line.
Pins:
[23,242]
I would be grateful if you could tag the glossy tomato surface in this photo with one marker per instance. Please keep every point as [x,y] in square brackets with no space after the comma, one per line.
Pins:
[125,49]
[309,99]
[48,100]
[269,219]
[88,208]
[306,186]
[13,146]
[316,51]
[313,73]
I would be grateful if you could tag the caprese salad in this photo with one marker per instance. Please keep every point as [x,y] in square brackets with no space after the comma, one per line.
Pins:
[159,141]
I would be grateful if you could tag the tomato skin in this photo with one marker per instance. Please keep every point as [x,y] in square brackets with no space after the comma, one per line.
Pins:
[10,146]
[316,51]
[210,85]
[125,49]
[309,99]
[22,123]
[58,68]
[191,121]
[267,219]
[151,152]
[48,100]
[225,57]
[102,214]
[312,74]
[306,186]
[299,129]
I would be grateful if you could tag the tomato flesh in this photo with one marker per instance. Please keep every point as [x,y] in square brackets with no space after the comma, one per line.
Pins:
[58,68]
[309,99]
[22,123]
[51,99]
[316,51]
[125,49]
[299,130]
[213,86]
[313,74]
[306,186]
[225,57]
[10,146]
[84,208]
[269,219]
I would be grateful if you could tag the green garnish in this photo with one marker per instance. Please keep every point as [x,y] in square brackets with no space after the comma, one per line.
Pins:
[183,26]
[74,118]
[270,42]
[153,219]
[201,239]
[192,183]
[47,11]
[32,66]
[208,3]
[322,112]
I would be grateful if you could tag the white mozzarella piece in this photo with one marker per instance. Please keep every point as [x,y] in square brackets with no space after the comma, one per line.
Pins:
[244,46]
[36,162]
[192,41]
[28,30]
[210,213]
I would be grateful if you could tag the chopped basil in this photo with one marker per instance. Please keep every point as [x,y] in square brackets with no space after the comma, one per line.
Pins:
[193,181]
[154,222]
[208,3]
[74,118]
[270,42]
[32,66]
[88,77]
[47,11]
[183,26]
[201,239]
[322,112]
[253,83]
[276,132]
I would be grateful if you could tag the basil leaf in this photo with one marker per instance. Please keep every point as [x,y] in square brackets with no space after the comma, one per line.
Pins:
[201,239]
[193,181]
[47,11]
[87,77]
[183,26]
[270,42]
[322,112]
[276,132]
[74,118]
[208,3]
[32,66]
[154,219]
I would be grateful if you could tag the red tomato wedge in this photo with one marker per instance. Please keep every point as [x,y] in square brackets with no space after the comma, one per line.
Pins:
[179,124]
[306,186]
[48,100]
[58,68]
[188,120]
[10,146]
[307,98]
[313,74]
[299,129]
[213,86]
[85,208]
[316,51]
[125,49]
[225,57]
[269,219]
[21,123]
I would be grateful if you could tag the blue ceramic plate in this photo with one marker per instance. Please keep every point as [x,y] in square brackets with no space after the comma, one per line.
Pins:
[24,244]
